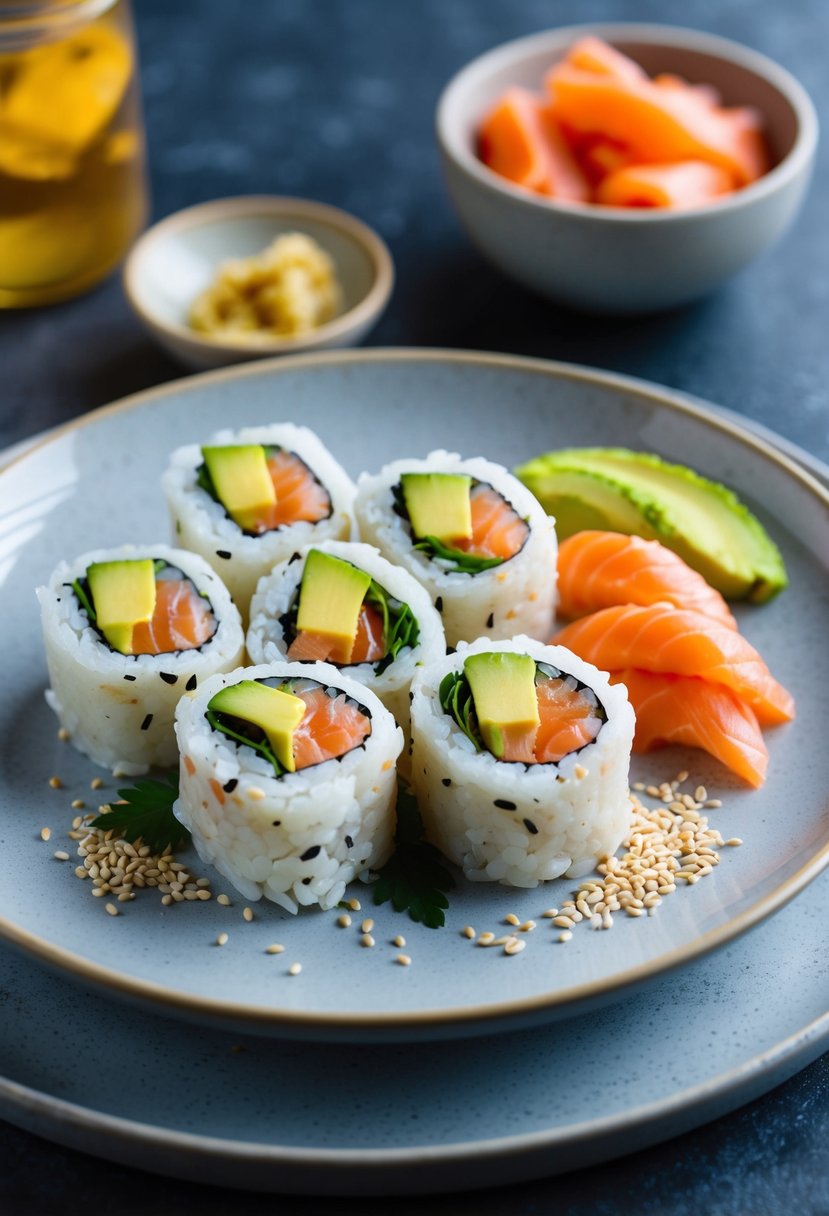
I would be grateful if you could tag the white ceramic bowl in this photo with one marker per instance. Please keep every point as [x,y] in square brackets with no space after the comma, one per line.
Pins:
[612,259]
[178,257]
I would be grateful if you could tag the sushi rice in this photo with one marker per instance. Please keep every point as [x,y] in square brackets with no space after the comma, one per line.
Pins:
[117,708]
[513,823]
[299,838]
[517,596]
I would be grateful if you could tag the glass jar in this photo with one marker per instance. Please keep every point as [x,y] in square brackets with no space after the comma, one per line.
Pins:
[73,187]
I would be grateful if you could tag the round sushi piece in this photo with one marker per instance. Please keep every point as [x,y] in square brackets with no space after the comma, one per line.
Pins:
[391,625]
[472,535]
[520,762]
[250,498]
[127,632]
[292,814]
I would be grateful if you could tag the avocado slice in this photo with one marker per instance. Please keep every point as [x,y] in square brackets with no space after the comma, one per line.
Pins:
[330,598]
[276,712]
[242,481]
[438,504]
[123,594]
[638,493]
[503,690]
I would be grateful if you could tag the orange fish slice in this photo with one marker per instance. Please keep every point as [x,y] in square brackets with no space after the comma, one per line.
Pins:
[694,713]
[568,721]
[689,183]
[182,620]
[368,647]
[331,727]
[677,641]
[602,569]
[497,529]
[518,141]
[299,496]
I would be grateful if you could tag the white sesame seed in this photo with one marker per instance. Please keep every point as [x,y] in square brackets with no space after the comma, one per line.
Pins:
[367,925]
[111,909]
[166,900]
[399,940]
[255,794]
[96,783]
[486,939]
[511,919]
[403,960]
[78,804]
[550,914]
[354,905]
[274,949]
[221,940]
[734,842]
[247,914]
[527,926]
[45,833]
[468,932]
[367,940]
[515,946]
[60,855]
[563,922]
[344,921]
[63,734]
[294,968]
[565,936]
[56,783]
[224,900]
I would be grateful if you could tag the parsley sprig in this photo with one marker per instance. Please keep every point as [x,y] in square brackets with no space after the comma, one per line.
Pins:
[414,878]
[146,812]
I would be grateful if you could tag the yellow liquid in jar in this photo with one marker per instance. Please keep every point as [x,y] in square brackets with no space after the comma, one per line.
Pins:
[72,179]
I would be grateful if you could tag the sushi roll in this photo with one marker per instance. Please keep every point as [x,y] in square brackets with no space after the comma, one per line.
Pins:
[288,780]
[476,539]
[343,603]
[127,632]
[520,762]
[250,498]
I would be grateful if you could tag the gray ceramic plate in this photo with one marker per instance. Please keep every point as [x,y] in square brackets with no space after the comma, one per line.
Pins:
[95,483]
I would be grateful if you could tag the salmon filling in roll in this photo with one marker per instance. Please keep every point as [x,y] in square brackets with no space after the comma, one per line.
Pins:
[289,492]
[162,611]
[463,521]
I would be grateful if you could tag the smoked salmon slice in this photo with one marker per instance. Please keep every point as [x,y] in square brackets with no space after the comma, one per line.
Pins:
[369,644]
[182,620]
[668,640]
[299,496]
[602,569]
[497,529]
[694,713]
[518,140]
[331,727]
[569,720]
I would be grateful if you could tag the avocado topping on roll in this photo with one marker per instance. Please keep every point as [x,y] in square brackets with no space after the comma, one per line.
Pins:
[292,724]
[460,521]
[144,606]
[343,616]
[520,710]
[262,488]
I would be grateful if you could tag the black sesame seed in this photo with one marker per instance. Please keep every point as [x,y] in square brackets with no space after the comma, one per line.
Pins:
[224,553]
[411,697]
[168,677]
[349,843]
[293,558]
[147,723]
[230,786]
[504,805]
[129,677]
[439,603]
[277,823]
[191,684]
[311,853]
[530,826]
[306,882]
[490,620]
[446,780]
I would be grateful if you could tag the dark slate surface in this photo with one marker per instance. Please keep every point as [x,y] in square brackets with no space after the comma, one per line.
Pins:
[335,101]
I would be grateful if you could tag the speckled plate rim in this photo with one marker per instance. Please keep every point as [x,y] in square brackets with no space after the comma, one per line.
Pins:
[420,1169]
[500,1014]
[286,207]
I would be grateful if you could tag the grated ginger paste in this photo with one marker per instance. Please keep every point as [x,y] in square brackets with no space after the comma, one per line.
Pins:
[289,288]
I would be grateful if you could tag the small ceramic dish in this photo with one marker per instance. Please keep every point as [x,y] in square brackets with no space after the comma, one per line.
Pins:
[177,258]
[625,260]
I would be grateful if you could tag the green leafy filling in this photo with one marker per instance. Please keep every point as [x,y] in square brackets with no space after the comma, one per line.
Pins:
[414,878]
[456,699]
[464,563]
[246,733]
[146,813]
[400,628]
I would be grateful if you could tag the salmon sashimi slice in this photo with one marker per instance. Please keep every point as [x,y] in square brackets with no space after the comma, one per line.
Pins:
[299,496]
[518,140]
[659,123]
[182,620]
[691,712]
[369,645]
[568,721]
[331,727]
[689,183]
[497,528]
[602,569]
[678,641]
